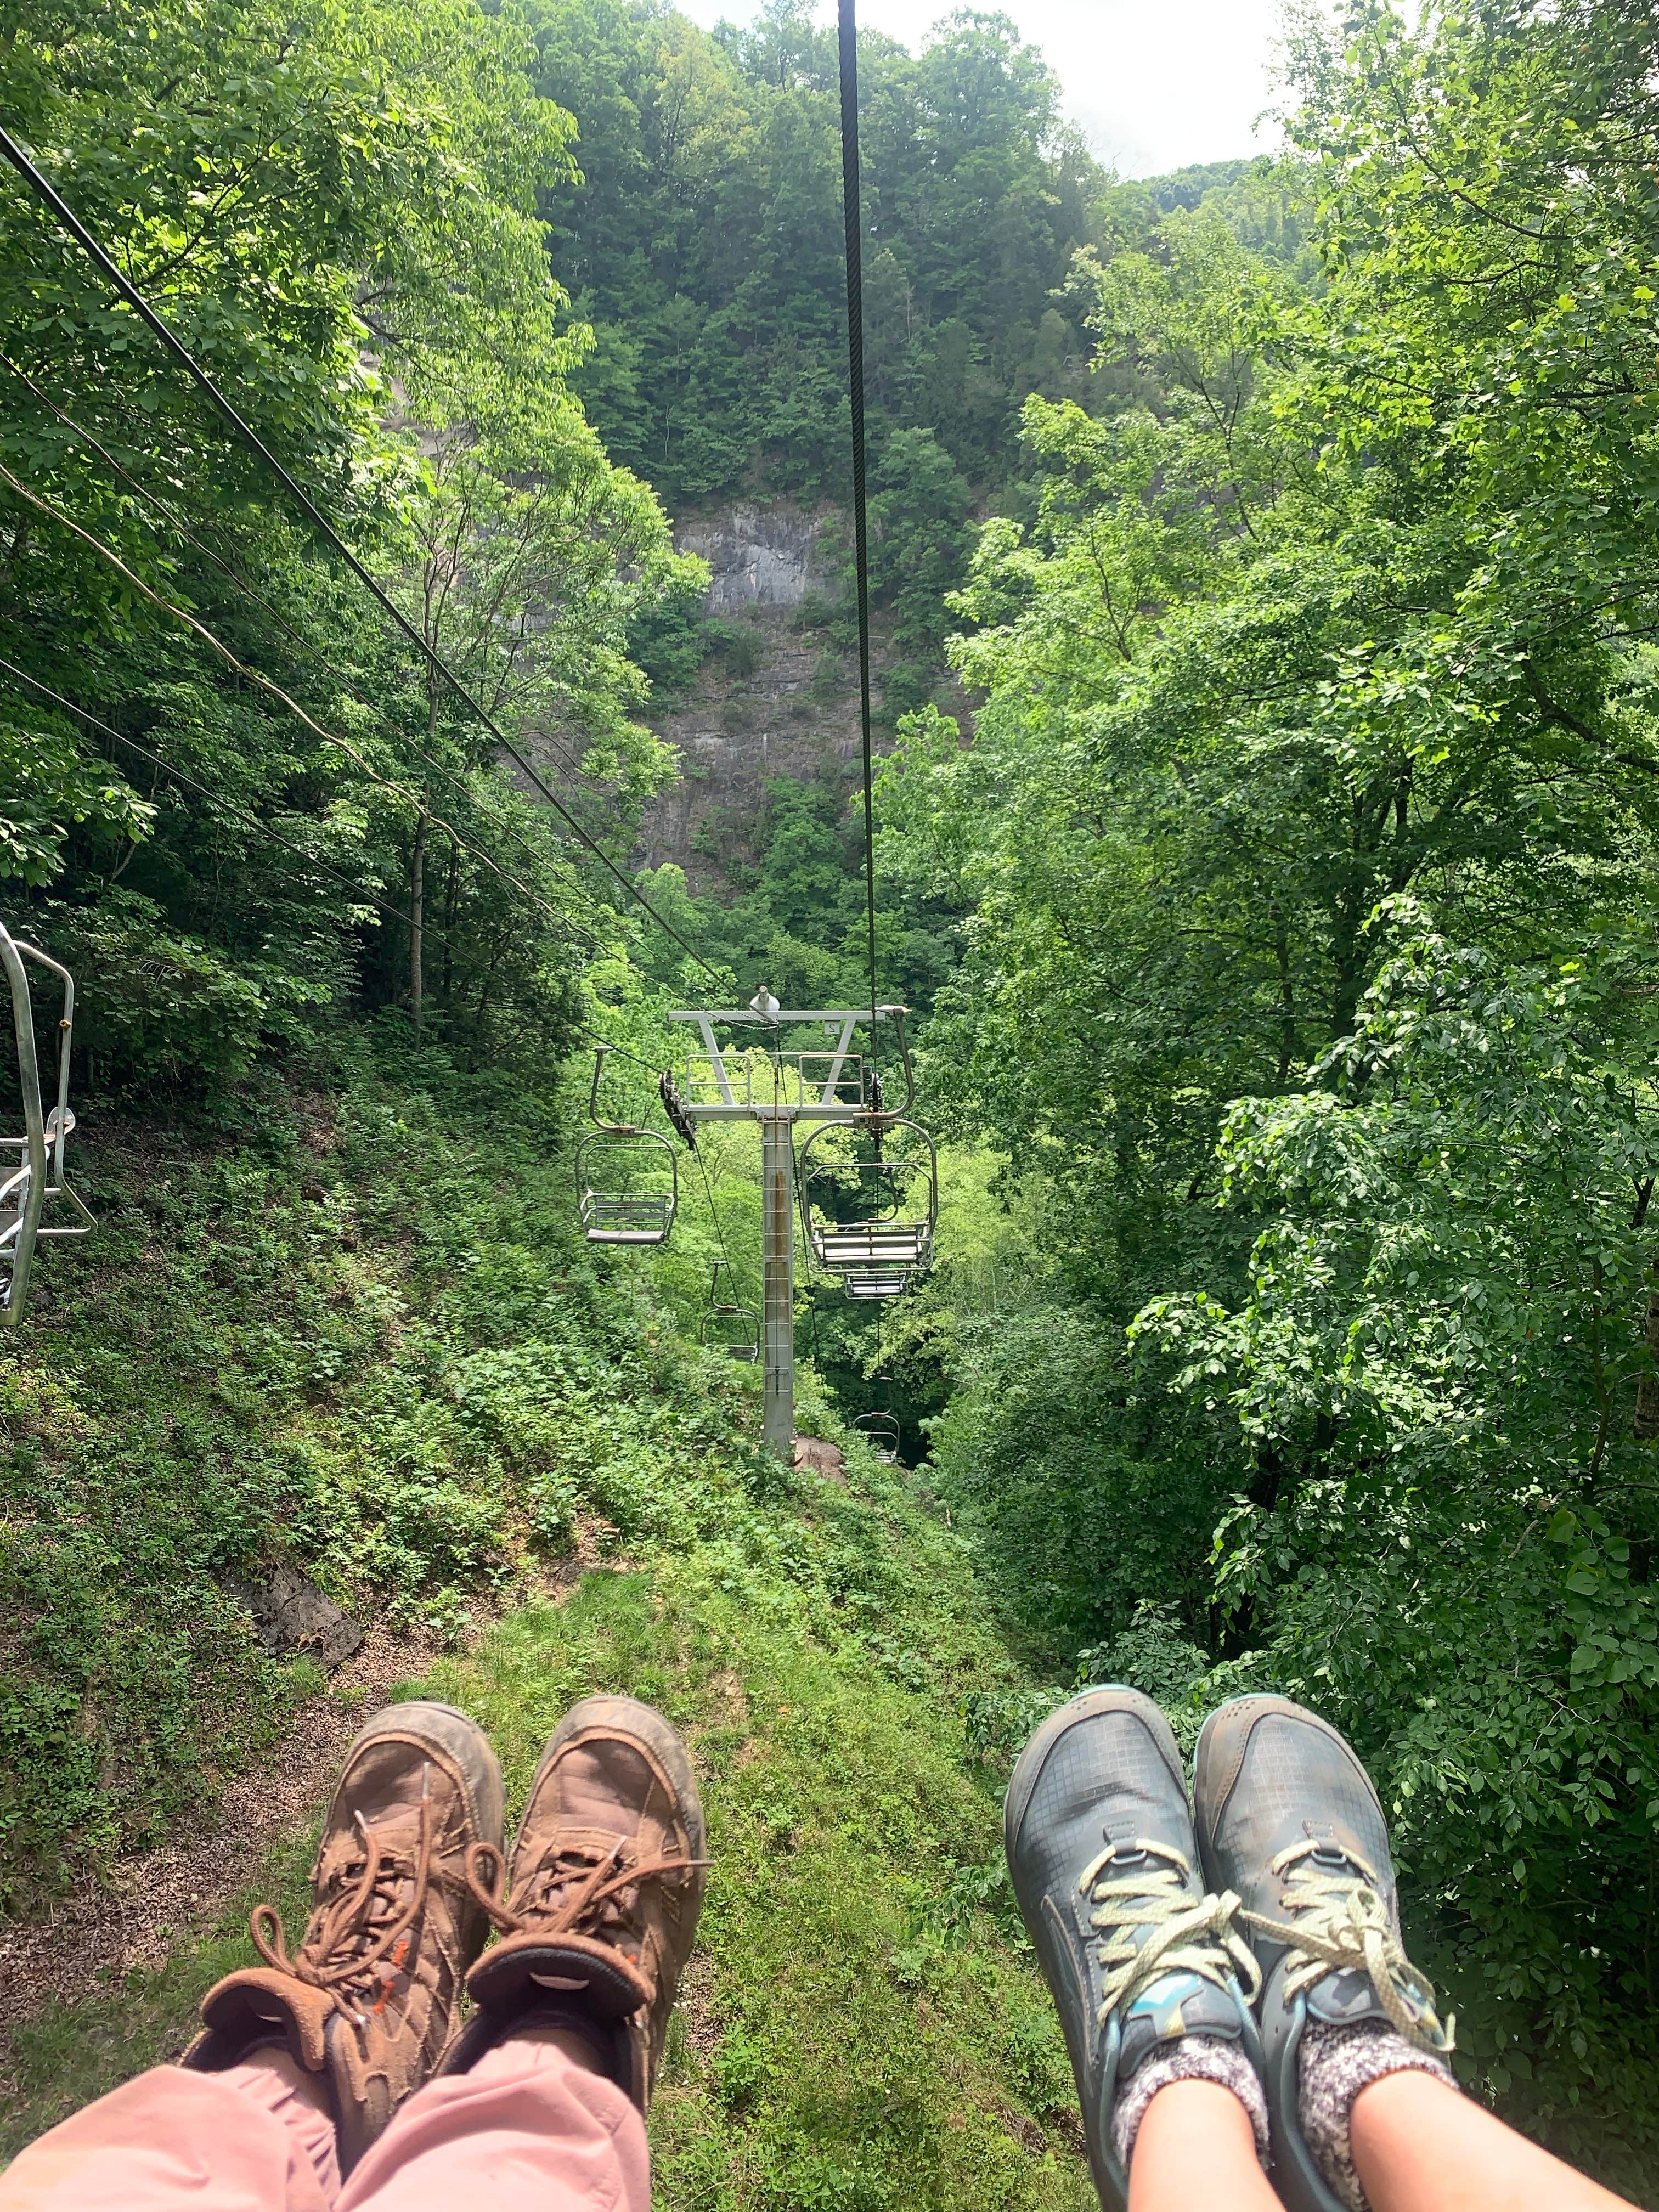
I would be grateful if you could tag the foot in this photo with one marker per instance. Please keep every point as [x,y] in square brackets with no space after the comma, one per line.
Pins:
[1288,1819]
[599,1903]
[1143,1965]
[367,2002]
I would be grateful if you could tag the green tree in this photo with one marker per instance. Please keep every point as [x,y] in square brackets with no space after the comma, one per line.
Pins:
[337,215]
[1313,809]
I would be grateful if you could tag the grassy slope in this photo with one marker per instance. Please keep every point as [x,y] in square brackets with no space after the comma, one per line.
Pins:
[361,1331]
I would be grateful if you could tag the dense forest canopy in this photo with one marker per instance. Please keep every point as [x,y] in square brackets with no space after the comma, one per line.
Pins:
[1307,835]
[703,241]
[1285,905]
[337,212]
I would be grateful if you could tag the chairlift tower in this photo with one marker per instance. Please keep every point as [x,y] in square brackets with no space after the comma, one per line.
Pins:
[727,1082]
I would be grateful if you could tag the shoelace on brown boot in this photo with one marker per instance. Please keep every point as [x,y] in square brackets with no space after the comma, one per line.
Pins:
[343,1954]
[598,1883]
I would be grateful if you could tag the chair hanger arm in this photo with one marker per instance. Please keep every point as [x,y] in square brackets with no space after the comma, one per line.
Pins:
[896,1015]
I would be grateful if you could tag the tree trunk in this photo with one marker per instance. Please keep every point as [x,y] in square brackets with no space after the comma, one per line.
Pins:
[417,899]
[1647,1389]
[452,901]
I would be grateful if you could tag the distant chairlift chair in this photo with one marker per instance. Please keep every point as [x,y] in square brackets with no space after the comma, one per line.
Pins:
[871,1221]
[883,1430]
[876,1282]
[729,1326]
[628,1179]
[40,1180]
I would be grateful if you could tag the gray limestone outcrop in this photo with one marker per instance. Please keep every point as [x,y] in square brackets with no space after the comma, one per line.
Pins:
[792,714]
[758,557]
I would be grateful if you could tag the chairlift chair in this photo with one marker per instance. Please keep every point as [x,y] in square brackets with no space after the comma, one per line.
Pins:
[875,1282]
[40,1179]
[622,1195]
[729,1326]
[871,1220]
[883,1430]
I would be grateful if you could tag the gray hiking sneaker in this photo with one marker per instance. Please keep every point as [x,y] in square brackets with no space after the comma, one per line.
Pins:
[1288,1819]
[1104,1861]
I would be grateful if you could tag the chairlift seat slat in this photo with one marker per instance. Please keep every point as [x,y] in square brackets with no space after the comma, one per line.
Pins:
[904,1244]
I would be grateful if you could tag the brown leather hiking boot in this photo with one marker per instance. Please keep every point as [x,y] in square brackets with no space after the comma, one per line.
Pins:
[368,2000]
[599,1904]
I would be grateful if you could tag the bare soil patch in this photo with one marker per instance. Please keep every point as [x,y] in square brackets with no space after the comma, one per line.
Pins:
[156,1899]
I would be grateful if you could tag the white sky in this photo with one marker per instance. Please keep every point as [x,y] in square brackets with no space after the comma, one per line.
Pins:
[1156,83]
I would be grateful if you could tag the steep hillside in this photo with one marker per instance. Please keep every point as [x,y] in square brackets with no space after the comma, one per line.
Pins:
[774,695]
[353,1335]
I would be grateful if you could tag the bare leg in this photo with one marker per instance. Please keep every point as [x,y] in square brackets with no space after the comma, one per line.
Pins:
[576,2048]
[1420,2146]
[1195,2148]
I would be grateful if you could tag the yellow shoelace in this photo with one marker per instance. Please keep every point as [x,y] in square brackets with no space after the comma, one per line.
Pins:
[1343,1924]
[1188,1935]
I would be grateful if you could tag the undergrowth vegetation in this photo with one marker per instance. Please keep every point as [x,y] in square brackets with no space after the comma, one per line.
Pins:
[352,1325]
[344,1321]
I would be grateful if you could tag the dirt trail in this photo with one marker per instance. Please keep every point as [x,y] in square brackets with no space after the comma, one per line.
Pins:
[152,1902]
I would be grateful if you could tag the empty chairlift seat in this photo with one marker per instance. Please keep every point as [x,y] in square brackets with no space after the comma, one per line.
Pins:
[875,1282]
[38,1186]
[729,1326]
[883,1430]
[628,1185]
[870,1195]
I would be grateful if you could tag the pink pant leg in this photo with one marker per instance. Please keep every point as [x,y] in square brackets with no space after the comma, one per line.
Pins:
[528,2129]
[236,2142]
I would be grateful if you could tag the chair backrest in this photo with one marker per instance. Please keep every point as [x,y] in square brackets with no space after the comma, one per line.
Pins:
[628,1185]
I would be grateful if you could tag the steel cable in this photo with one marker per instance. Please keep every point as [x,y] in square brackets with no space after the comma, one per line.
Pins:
[257,597]
[854,220]
[46,192]
[238,813]
[264,684]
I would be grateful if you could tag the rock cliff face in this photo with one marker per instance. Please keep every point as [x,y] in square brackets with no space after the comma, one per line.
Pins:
[758,557]
[793,714]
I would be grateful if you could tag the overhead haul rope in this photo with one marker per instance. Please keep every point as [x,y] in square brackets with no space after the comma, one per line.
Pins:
[329,737]
[850,205]
[237,813]
[258,824]
[119,406]
[263,829]
[250,592]
[714,1212]
[218,799]
[46,191]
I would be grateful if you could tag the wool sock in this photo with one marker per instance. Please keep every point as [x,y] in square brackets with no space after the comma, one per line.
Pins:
[1332,2066]
[1189,2059]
